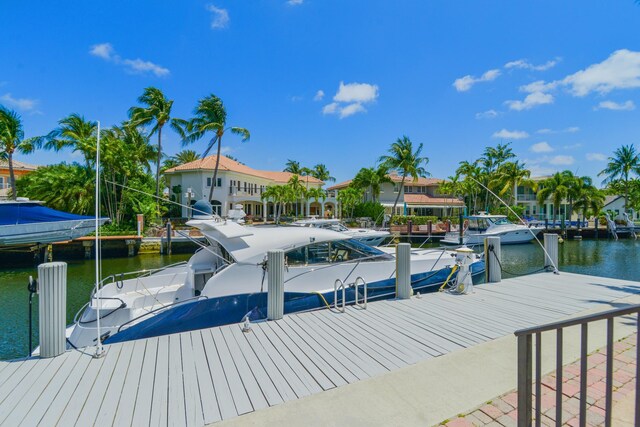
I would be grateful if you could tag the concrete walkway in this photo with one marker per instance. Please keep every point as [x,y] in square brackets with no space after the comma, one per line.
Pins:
[502,411]
[438,389]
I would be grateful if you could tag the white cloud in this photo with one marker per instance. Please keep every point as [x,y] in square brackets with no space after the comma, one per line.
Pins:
[621,70]
[23,104]
[489,114]
[296,98]
[571,129]
[541,147]
[596,157]
[351,109]
[220,19]
[524,64]
[538,86]
[616,106]
[572,146]
[356,92]
[319,95]
[510,134]
[103,50]
[465,83]
[349,99]
[530,101]
[295,2]
[562,160]
[136,66]
[140,66]
[330,108]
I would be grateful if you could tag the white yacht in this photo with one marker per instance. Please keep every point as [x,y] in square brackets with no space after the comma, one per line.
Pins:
[478,227]
[226,281]
[364,235]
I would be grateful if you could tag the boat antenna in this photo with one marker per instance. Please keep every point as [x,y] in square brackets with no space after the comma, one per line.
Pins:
[99,348]
[555,267]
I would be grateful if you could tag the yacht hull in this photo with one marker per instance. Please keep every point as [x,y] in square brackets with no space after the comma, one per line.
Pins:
[211,312]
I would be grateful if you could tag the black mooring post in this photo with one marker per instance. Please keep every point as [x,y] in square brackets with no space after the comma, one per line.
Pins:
[169,237]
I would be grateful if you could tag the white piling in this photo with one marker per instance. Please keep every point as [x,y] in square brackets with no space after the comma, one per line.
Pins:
[403,270]
[493,259]
[275,289]
[551,251]
[52,279]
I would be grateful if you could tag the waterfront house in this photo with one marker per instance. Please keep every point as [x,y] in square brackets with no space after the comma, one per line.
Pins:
[615,204]
[421,198]
[237,184]
[19,169]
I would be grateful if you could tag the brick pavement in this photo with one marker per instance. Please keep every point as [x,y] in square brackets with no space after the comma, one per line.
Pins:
[502,411]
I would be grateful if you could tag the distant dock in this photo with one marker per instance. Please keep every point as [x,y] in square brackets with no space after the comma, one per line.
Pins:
[206,376]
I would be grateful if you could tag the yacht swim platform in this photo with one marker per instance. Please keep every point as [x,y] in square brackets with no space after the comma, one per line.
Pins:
[209,375]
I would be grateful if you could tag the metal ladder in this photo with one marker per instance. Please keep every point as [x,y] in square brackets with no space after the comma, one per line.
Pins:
[339,285]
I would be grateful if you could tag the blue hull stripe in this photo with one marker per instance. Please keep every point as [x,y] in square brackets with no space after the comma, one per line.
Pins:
[207,313]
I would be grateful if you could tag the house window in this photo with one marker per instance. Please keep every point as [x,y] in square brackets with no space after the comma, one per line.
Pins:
[396,188]
[1,181]
[208,182]
[219,182]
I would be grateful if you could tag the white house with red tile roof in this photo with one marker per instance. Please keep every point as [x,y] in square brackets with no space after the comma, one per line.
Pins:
[237,184]
[421,197]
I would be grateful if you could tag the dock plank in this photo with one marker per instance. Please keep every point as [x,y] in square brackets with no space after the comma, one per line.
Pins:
[193,405]
[114,389]
[208,399]
[223,392]
[176,414]
[159,401]
[144,397]
[127,401]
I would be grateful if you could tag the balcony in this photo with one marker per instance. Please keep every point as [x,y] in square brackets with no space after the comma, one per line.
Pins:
[526,197]
[235,191]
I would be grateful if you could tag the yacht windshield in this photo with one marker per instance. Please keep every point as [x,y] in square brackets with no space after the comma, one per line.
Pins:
[500,221]
[332,252]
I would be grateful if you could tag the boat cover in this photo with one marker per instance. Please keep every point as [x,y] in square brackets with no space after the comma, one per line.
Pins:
[29,213]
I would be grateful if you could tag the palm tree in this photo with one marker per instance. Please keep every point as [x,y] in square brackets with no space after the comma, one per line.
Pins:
[321,172]
[509,176]
[298,190]
[156,111]
[407,162]
[624,162]
[74,132]
[274,193]
[472,177]
[349,198]
[491,160]
[372,179]
[12,139]
[589,199]
[556,188]
[211,116]
[317,194]
[293,166]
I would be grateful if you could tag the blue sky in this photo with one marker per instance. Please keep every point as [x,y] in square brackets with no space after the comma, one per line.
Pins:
[335,81]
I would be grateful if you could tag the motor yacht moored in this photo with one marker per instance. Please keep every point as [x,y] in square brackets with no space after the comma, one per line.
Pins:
[483,225]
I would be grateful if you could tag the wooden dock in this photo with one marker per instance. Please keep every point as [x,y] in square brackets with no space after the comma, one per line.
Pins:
[205,376]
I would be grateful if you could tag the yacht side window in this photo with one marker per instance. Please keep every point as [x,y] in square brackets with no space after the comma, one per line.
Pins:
[317,253]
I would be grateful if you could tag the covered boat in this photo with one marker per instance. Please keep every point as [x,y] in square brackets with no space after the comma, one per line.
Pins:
[24,222]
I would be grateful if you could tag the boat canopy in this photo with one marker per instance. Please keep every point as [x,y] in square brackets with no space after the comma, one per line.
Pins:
[32,212]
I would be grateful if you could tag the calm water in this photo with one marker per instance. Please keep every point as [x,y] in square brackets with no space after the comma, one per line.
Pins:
[619,259]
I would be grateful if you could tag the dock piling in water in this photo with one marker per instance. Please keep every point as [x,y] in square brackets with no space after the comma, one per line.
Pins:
[403,270]
[275,283]
[551,251]
[52,277]
[492,255]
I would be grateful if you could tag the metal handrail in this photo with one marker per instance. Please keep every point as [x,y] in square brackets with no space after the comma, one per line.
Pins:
[140,273]
[525,366]
[335,295]
[360,281]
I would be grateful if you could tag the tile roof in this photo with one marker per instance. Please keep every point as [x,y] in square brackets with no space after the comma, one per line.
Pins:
[395,178]
[425,199]
[17,165]
[226,164]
